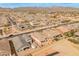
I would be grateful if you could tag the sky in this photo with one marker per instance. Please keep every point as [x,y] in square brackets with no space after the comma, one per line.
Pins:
[15,5]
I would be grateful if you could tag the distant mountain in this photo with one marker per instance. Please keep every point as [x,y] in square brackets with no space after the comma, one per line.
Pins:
[40,9]
[51,9]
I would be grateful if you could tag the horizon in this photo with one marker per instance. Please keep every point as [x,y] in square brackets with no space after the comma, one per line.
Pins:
[17,5]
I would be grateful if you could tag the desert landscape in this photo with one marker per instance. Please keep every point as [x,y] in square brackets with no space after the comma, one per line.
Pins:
[39,31]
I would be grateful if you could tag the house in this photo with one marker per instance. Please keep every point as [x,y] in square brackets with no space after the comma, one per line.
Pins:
[50,33]
[63,29]
[38,37]
[21,42]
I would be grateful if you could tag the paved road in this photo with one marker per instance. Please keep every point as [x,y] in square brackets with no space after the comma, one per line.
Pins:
[39,28]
